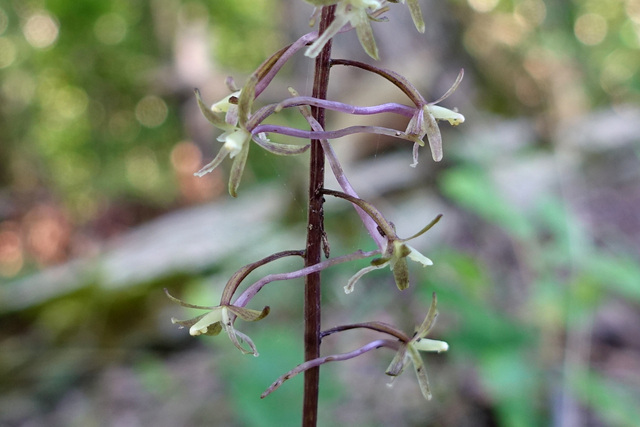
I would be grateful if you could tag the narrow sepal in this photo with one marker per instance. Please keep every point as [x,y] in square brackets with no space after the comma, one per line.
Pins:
[217,119]
[185,304]
[452,89]
[338,22]
[421,372]
[248,314]
[245,100]
[237,168]
[416,15]
[425,229]
[434,136]
[365,35]
[430,319]
[224,152]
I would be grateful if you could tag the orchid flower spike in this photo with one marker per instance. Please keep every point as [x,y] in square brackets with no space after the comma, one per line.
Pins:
[410,351]
[219,318]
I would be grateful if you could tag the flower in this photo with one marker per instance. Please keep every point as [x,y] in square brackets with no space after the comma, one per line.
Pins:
[424,122]
[219,318]
[231,115]
[410,351]
[354,12]
[407,349]
[395,256]
[394,252]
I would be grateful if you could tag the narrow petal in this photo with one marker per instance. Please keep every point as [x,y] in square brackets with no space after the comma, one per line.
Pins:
[224,152]
[235,334]
[416,124]
[231,117]
[352,281]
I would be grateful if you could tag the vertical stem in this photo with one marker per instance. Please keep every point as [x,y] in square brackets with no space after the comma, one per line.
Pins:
[315,228]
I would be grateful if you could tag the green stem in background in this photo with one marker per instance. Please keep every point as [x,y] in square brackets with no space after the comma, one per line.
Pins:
[315,230]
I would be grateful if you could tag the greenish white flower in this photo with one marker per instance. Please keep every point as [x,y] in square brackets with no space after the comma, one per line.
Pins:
[410,351]
[354,12]
[425,122]
[220,318]
[395,257]
[231,115]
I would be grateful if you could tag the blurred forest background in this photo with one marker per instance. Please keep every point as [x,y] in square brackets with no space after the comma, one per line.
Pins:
[536,260]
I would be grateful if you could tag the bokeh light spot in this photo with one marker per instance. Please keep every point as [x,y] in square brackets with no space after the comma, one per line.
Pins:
[483,5]
[48,234]
[633,10]
[532,12]
[110,29]
[7,52]
[19,87]
[71,102]
[41,30]
[590,29]
[618,69]
[11,249]
[142,168]
[186,158]
[123,126]
[4,21]
[151,111]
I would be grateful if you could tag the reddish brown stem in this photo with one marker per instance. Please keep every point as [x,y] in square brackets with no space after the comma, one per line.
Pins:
[315,228]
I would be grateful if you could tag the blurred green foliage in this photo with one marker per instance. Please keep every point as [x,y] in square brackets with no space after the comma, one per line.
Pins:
[86,111]
[89,118]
